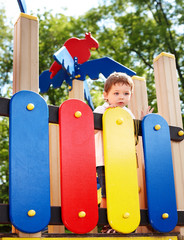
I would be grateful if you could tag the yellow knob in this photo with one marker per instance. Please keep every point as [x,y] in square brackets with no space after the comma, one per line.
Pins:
[119,121]
[69,87]
[157,127]
[181,133]
[165,215]
[126,215]
[82,214]
[31,213]
[78,114]
[30,106]
[78,76]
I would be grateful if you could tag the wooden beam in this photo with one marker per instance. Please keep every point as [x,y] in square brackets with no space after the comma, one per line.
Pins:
[77,91]
[139,102]
[55,190]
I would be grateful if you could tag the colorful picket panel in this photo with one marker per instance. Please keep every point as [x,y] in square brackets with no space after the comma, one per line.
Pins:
[120,170]
[29,183]
[29,167]
[79,207]
[160,185]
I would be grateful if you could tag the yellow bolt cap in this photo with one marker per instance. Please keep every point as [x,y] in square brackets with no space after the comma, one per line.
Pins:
[30,106]
[165,215]
[157,127]
[119,121]
[126,215]
[31,213]
[78,76]
[82,214]
[78,114]
[181,133]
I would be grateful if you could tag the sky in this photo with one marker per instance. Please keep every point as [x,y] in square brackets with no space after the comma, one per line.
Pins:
[74,7]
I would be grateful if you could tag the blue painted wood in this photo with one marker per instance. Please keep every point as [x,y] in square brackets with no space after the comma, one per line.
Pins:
[63,57]
[29,186]
[22,6]
[159,173]
[45,81]
[104,65]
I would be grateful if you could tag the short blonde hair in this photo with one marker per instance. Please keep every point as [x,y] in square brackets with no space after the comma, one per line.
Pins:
[118,77]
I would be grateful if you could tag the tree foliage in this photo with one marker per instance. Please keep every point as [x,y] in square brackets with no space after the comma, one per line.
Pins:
[6,52]
[6,64]
[131,32]
[141,31]
[4,155]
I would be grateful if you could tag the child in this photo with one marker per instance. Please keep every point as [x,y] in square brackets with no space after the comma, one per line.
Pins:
[118,89]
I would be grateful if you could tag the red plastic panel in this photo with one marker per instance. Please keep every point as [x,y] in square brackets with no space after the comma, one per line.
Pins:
[78,168]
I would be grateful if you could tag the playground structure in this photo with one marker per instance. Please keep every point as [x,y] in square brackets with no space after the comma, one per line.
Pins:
[25,77]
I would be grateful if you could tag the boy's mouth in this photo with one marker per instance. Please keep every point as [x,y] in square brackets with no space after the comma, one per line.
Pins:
[120,103]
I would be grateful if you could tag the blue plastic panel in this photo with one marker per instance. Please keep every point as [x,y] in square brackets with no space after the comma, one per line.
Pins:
[159,173]
[29,184]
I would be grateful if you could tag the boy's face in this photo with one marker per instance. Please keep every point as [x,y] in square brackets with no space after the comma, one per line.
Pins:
[119,95]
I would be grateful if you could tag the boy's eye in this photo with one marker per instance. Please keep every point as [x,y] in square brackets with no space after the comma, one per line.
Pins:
[116,93]
[127,93]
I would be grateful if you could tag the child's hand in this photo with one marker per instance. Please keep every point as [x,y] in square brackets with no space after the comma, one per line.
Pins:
[148,110]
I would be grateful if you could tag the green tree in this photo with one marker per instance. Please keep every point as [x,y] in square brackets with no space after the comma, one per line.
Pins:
[137,31]
[4,155]
[6,52]
[6,65]
[131,32]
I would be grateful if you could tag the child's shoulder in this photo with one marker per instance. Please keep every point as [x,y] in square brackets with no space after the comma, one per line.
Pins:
[101,109]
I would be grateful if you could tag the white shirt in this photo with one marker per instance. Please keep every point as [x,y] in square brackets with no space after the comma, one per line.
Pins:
[99,135]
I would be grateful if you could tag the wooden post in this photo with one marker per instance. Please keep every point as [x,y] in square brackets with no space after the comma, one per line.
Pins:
[26,62]
[55,190]
[26,54]
[77,91]
[169,107]
[139,102]
[139,99]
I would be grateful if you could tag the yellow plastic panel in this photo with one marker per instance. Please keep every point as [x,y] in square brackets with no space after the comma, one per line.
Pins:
[120,170]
